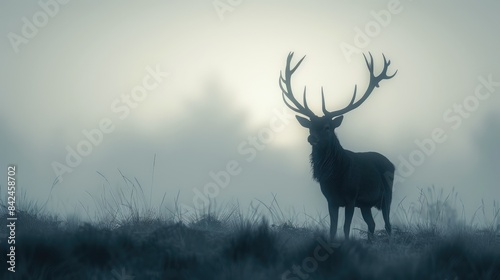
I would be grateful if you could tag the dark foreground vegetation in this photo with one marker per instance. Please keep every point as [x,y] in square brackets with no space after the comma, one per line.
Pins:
[230,245]
[209,250]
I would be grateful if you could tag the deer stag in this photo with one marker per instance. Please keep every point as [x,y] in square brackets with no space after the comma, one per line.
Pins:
[347,179]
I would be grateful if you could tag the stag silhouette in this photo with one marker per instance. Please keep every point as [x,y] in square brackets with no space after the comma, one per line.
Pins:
[347,179]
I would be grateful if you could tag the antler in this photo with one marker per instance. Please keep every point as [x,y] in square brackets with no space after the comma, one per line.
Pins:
[287,93]
[374,82]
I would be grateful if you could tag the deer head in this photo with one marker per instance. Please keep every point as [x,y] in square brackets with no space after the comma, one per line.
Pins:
[321,129]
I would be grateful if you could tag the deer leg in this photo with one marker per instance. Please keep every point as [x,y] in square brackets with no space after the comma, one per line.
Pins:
[334,216]
[386,209]
[349,211]
[367,216]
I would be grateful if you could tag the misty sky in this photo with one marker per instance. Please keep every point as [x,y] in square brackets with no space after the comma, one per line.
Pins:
[195,81]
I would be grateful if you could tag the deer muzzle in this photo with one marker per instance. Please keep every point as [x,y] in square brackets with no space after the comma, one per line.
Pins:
[313,140]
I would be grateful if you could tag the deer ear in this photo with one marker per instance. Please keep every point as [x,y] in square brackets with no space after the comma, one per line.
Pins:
[337,121]
[303,121]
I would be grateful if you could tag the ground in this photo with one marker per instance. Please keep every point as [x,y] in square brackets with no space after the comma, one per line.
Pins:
[211,248]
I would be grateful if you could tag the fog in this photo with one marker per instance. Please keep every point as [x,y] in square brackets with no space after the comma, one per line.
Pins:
[174,93]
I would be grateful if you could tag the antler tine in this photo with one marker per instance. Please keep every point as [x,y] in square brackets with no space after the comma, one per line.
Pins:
[374,82]
[386,62]
[298,63]
[323,106]
[290,106]
[354,95]
[369,64]
[288,93]
[305,99]
[386,66]
[283,93]
[383,74]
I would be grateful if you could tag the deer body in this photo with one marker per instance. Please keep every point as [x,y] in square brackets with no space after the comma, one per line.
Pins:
[347,179]
[354,180]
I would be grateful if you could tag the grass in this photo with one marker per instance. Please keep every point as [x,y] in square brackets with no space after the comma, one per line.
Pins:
[128,238]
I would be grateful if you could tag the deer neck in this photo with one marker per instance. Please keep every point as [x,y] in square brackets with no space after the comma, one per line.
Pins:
[329,161]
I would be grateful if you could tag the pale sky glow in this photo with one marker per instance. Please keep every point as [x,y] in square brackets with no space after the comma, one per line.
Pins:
[222,87]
